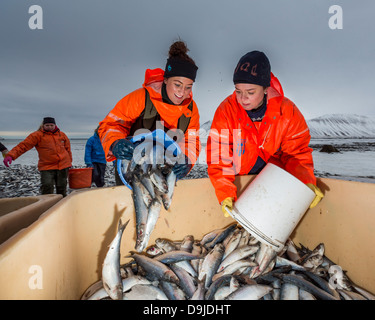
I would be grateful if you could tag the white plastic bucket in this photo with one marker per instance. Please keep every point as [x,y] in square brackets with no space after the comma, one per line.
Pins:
[272,205]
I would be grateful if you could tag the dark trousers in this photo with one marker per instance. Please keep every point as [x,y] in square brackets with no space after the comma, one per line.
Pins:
[98,174]
[54,178]
[117,177]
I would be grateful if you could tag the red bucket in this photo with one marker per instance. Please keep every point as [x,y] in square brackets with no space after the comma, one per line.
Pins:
[80,178]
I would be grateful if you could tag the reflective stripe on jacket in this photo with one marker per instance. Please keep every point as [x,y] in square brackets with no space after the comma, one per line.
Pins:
[53,149]
[234,143]
[116,125]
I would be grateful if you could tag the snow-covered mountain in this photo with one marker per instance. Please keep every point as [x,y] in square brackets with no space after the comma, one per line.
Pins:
[327,126]
[342,126]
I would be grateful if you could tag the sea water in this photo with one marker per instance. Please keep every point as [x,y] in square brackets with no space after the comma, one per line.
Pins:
[355,161]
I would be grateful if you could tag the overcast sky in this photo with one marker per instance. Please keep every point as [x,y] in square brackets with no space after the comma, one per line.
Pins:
[91,53]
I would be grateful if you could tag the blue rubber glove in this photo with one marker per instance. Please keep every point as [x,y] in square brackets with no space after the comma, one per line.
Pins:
[123,149]
[89,165]
[182,169]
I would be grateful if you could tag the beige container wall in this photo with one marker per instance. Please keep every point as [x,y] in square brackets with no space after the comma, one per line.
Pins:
[61,254]
[18,213]
[345,222]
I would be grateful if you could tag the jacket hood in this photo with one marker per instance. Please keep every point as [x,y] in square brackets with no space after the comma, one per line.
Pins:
[275,89]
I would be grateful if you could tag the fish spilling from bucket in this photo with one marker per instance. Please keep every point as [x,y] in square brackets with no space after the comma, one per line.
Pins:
[225,265]
[152,181]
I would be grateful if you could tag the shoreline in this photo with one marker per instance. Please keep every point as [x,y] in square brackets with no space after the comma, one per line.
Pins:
[24,180]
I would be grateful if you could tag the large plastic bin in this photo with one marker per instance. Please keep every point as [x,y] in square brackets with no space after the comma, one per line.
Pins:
[61,254]
[20,212]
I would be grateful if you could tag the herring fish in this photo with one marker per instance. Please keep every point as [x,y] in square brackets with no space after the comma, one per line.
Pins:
[211,263]
[155,268]
[166,271]
[111,267]
[152,217]
[141,211]
[250,292]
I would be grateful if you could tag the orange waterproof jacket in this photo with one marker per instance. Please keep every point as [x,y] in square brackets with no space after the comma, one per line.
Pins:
[53,149]
[235,143]
[117,124]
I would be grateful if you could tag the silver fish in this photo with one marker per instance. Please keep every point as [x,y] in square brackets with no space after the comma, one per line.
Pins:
[366,294]
[154,251]
[304,295]
[152,218]
[155,268]
[221,235]
[232,243]
[186,281]
[111,267]
[315,258]
[201,290]
[265,258]
[237,254]
[352,295]
[250,292]
[225,291]
[171,183]
[306,285]
[233,267]
[176,256]
[165,244]
[261,274]
[159,180]
[96,286]
[127,284]
[280,261]
[292,251]
[141,211]
[289,291]
[197,249]
[211,263]
[145,292]
[187,243]
[172,291]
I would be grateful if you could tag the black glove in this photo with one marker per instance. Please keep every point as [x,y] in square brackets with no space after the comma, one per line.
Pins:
[182,169]
[123,149]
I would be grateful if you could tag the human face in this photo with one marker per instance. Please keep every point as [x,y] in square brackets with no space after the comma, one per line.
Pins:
[178,88]
[249,96]
[49,126]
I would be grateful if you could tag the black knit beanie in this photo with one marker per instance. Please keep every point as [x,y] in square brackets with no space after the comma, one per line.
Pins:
[176,67]
[254,67]
[49,120]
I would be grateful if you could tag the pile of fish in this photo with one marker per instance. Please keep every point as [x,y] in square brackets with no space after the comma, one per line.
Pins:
[226,264]
[19,181]
[152,181]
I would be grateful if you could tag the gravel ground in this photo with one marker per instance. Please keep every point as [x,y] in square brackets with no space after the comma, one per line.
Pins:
[24,181]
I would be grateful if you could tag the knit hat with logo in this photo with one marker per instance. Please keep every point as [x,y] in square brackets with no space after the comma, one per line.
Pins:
[254,67]
[179,64]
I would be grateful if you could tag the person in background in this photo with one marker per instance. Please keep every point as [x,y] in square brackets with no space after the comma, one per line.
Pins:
[95,158]
[3,150]
[165,98]
[55,156]
[254,126]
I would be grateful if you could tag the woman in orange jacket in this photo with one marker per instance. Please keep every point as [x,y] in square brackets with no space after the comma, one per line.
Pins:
[256,125]
[165,101]
[55,156]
